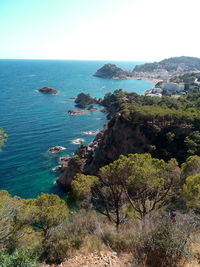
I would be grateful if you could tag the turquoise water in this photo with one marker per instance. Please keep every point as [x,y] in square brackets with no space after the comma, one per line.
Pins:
[35,122]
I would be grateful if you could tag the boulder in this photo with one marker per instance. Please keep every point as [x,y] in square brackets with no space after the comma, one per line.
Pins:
[48,90]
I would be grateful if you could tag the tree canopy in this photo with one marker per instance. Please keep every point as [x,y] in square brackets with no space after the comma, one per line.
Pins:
[138,180]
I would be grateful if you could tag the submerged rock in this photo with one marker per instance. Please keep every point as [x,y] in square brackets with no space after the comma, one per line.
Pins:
[48,90]
[76,112]
[56,149]
[91,108]
[78,141]
[90,132]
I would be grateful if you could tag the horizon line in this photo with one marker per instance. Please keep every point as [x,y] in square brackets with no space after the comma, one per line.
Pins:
[130,60]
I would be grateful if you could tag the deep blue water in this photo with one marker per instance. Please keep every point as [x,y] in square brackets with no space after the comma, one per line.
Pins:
[34,121]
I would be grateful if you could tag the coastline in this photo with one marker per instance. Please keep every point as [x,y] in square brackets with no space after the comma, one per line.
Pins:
[148,79]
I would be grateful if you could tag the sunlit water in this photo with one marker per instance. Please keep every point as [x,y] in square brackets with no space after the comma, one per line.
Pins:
[35,122]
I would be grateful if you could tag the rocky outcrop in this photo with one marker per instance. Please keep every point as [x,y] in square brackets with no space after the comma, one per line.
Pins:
[48,90]
[82,100]
[56,149]
[73,165]
[111,71]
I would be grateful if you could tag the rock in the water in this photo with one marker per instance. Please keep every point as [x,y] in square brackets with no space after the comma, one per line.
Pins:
[82,100]
[56,149]
[91,108]
[78,141]
[90,132]
[57,168]
[48,90]
[76,112]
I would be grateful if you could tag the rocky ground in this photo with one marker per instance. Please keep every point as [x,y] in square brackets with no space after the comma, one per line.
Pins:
[112,259]
[102,259]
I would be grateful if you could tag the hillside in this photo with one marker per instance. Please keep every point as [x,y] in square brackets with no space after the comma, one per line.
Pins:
[125,204]
[174,64]
[111,71]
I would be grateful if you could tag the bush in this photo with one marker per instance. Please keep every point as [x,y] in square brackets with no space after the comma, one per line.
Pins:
[56,246]
[62,239]
[20,258]
[166,245]
[118,242]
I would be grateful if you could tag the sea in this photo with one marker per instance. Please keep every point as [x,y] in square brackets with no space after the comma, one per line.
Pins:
[35,122]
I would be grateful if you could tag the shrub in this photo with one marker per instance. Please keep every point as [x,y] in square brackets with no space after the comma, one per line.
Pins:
[163,246]
[118,241]
[61,240]
[20,258]
[56,246]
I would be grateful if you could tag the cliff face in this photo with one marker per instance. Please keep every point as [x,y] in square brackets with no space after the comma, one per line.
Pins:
[124,136]
[74,165]
[139,124]
[121,137]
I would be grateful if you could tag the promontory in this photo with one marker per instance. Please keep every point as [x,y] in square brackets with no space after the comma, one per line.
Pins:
[111,71]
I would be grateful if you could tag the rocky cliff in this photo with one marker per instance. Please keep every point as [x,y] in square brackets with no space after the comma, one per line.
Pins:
[72,166]
[139,124]
[124,136]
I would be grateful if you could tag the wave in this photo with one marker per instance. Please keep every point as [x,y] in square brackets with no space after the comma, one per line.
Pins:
[77,141]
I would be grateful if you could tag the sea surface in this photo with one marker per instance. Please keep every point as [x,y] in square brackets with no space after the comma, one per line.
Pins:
[35,122]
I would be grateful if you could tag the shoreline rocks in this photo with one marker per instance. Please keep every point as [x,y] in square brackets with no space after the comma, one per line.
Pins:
[74,165]
[82,100]
[48,90]
[91,108]
[90,132]
[57,168]
[76,112]
[78,141]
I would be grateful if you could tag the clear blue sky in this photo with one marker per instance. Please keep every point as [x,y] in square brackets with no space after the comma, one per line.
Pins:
[99,29]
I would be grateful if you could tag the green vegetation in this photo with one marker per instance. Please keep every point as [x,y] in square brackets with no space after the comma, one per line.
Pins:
[138,180]
[191,192]
[134,193]
[110,71]
[147,204]
[164,246]
[171,126]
